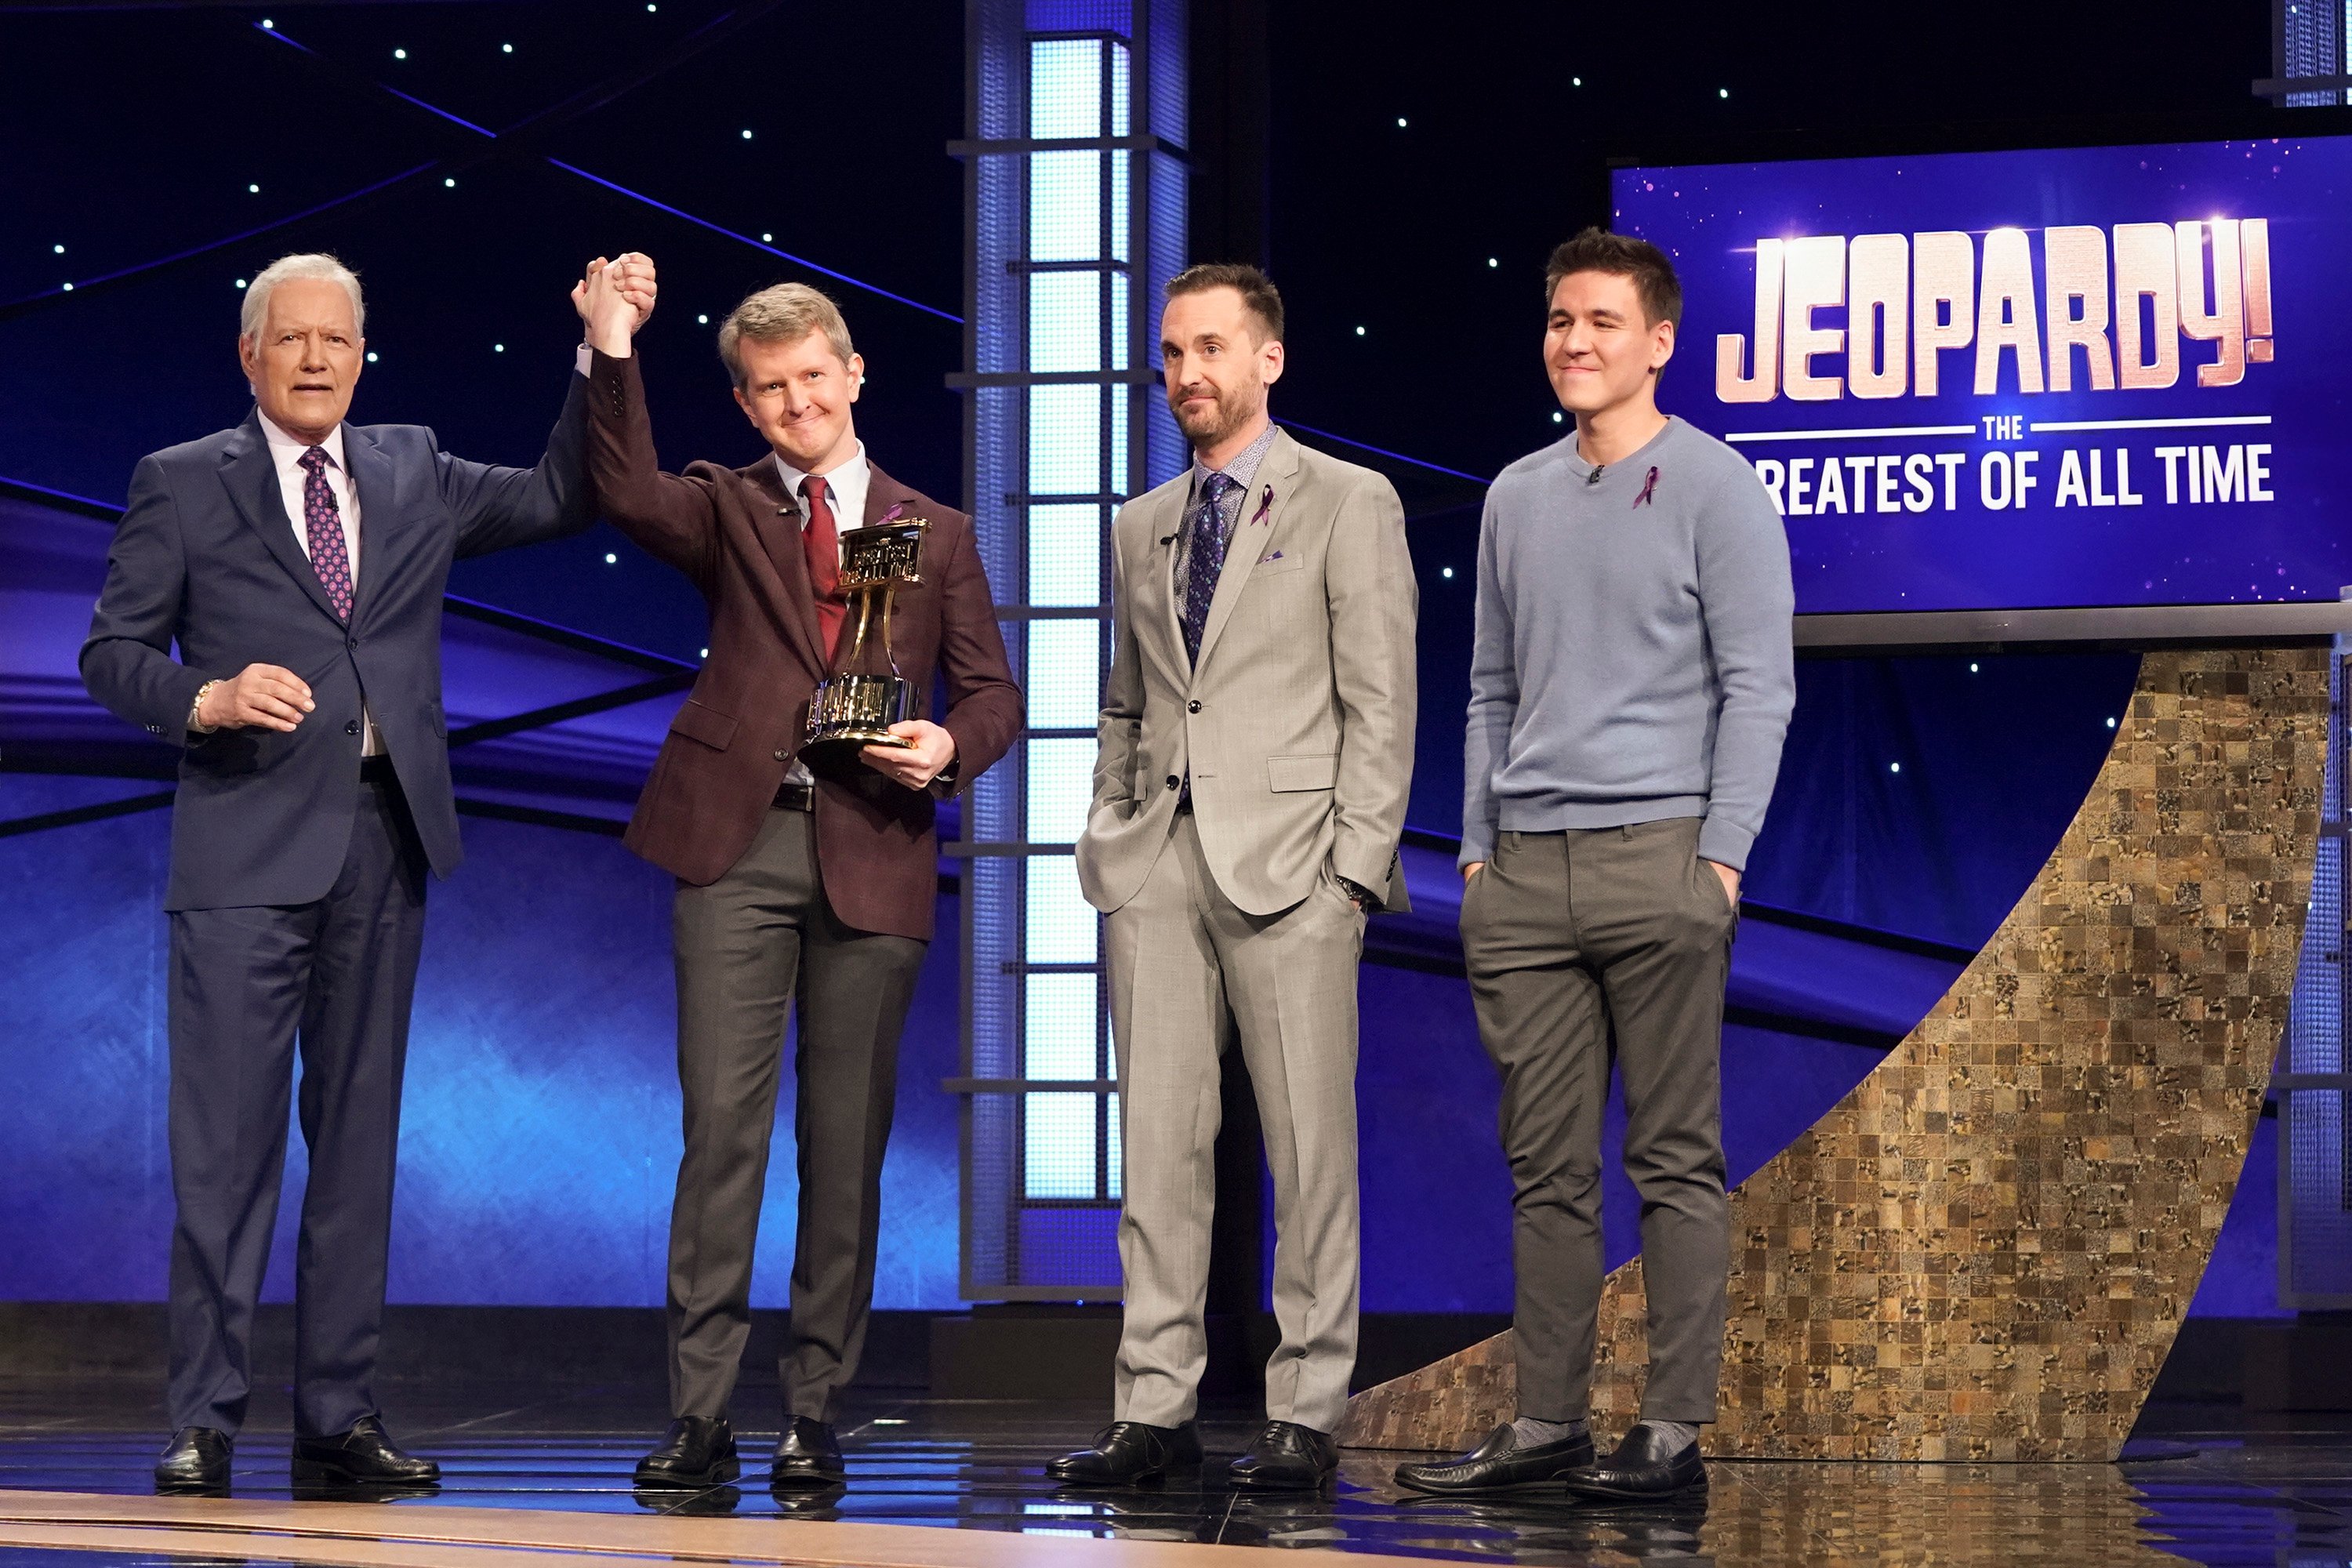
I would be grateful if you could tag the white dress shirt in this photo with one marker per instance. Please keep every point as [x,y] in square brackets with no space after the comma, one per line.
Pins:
[845,493]
[286,453]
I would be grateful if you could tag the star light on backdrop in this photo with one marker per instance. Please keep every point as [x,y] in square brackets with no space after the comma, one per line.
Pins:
[708,33]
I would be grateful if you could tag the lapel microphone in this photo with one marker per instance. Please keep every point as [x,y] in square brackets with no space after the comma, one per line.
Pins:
[1594,477]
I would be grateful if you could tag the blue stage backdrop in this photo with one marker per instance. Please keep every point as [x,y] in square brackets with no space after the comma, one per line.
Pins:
[541,1130]
[2101,376]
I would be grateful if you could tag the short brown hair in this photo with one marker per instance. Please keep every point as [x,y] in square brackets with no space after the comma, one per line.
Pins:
[1621,256]
[784,314]
[1257,291]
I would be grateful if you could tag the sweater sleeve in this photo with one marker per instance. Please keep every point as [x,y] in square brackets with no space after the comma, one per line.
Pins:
[1749,605]
[1493,701]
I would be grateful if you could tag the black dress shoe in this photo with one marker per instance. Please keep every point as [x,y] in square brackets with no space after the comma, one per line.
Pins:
[696,1451]
[1641,1470]
[196,1463]
[366,1454]
[1500,1465]
[807,1454]
[1126,1452]
[1286,1456]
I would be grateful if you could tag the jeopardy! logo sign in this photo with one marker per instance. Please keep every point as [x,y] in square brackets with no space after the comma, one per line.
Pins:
[2137,307]
[1910,300]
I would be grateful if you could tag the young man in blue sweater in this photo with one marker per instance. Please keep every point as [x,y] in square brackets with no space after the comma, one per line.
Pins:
[1632,681]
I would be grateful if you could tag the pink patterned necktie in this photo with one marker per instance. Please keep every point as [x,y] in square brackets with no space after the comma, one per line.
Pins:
[322,521]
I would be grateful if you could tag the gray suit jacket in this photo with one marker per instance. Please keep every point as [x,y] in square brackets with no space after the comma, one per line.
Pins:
[1297,725]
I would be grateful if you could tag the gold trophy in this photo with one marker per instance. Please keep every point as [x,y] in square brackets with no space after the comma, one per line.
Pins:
[865,695]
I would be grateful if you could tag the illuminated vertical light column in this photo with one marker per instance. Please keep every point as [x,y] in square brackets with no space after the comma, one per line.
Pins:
[1074,205]
[2314,1081]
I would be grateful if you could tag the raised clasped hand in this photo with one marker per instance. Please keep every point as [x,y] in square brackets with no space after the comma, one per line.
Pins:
[914,765]
[615,297]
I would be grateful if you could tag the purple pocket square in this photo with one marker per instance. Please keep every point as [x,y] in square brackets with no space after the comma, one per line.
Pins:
[1264,559]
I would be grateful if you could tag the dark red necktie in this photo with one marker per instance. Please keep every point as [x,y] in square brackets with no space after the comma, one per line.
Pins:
[823,546]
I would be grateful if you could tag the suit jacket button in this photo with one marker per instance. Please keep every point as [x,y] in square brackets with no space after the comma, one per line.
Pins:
[352,727]
[782,755]
[1193,706]
[1173,781]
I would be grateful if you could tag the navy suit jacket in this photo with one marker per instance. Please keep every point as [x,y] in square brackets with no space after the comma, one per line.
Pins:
[207,557]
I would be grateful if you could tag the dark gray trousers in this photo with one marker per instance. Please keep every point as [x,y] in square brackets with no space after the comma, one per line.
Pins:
[1585,946]
[337,975]
[750,946]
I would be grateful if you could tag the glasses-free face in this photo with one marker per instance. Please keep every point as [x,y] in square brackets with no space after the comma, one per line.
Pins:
[1217,369]
[798,394]
[304,362]
[1600,351]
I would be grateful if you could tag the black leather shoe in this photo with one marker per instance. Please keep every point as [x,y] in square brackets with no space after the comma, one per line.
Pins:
[1286,1456]
[1641,1470]
[807,1454]
[1500,1465]
[364,1454]
[1126,1452]
[696,1451]
[195,1464]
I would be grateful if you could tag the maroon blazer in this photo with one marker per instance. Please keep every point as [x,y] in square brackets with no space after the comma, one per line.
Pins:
[737,533]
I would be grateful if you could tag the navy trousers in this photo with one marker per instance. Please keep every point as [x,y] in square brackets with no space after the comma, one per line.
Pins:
[248,987]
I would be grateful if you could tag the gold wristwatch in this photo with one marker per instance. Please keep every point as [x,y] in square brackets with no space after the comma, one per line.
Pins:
[196,726]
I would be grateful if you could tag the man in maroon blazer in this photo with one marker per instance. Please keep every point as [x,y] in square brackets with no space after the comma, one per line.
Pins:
[794,886]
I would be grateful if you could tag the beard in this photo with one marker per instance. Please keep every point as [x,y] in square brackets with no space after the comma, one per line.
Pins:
[1234,407]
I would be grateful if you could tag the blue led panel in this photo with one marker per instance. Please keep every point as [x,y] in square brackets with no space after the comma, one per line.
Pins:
[1064,558]
[1065,674]
[1066,440]
[1061,1146]
[1061,926]
[1061,788]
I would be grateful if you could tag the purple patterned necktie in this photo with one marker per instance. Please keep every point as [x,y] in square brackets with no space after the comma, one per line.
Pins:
[1204,556]
[322,523]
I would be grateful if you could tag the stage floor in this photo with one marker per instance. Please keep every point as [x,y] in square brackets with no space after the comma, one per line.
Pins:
[534,1476]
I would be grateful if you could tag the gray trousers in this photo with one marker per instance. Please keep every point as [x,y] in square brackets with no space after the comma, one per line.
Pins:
[1187,969]
[1585,946]
[749,946]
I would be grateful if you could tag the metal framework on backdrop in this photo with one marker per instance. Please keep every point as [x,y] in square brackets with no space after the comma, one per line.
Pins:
[2311,54]
[2313,1082]
[1074,205]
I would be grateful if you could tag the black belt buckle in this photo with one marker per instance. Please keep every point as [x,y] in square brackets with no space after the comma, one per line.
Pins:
[377,770]
[794,796]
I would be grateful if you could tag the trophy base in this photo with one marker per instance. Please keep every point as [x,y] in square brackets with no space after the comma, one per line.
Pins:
[854,739]
[849,712]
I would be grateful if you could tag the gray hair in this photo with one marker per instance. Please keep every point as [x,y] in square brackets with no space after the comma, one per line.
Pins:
[784,313]
[312,264]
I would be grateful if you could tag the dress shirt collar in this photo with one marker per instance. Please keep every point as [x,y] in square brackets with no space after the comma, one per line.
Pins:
[285,450]
[847,483]
[1241,469]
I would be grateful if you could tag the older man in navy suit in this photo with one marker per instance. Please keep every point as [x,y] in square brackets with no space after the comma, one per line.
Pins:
[299,563]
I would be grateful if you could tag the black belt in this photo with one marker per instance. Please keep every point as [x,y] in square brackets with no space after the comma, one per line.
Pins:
[377,770]
[793,796]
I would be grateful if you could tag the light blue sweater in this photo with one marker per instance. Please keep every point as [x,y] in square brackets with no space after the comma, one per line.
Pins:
[1633,660]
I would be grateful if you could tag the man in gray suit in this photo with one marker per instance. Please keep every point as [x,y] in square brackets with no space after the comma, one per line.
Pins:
[1256,749]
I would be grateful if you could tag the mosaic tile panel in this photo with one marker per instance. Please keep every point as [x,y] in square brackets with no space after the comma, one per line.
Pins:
[1984,1251]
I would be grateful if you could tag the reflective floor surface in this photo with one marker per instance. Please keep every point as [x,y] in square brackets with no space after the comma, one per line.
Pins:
[2200,1484]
